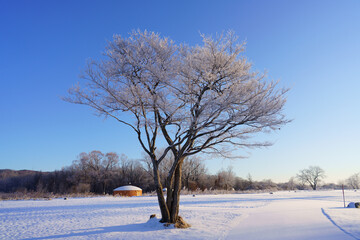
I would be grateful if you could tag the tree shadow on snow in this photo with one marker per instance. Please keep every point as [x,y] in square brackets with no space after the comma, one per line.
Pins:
[138,227]
[336,225]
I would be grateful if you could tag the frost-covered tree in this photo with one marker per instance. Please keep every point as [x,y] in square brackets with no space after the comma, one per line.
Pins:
[312,175]
[198,99]
[354,181]
[193,170]
[96,168]
[290,185]
[225,179]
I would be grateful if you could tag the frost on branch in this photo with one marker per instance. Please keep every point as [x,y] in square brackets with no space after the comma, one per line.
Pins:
[197,99]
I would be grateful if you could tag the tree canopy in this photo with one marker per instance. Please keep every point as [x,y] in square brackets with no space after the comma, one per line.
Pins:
[197,98]
[312,175]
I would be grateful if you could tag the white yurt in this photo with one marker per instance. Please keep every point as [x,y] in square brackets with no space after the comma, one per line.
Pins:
[128,191]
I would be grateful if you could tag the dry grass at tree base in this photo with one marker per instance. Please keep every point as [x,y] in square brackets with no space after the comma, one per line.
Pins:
[180,223]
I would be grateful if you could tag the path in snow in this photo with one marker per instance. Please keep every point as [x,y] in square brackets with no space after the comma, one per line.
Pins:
[296,219]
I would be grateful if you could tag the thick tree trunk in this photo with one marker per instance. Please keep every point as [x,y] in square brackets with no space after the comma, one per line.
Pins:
[174,211]
[169,192]
[173,193]
[165,214]
[170,208]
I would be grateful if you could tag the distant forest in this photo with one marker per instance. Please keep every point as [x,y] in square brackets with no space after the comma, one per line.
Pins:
[100,173]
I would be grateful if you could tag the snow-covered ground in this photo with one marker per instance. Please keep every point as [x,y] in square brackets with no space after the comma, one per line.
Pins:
[282,215]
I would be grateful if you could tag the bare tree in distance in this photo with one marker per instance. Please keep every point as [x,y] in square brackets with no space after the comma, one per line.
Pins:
[226,179]
[96,167]
[354,181]
[312,175]
[291,184]
[199,99]
[193,170]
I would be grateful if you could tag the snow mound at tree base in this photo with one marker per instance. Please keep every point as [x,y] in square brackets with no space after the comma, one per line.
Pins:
[154,223]
[180,223]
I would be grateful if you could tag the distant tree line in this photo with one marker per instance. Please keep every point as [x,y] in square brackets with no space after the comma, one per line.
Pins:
[100,173]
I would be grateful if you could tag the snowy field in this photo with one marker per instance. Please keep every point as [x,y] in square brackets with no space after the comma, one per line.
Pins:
[282,215]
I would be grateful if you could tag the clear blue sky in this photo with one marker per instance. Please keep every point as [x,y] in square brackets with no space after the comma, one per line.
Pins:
[311,46]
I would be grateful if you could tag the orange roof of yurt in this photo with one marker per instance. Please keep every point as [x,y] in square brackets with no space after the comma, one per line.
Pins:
[128,190]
